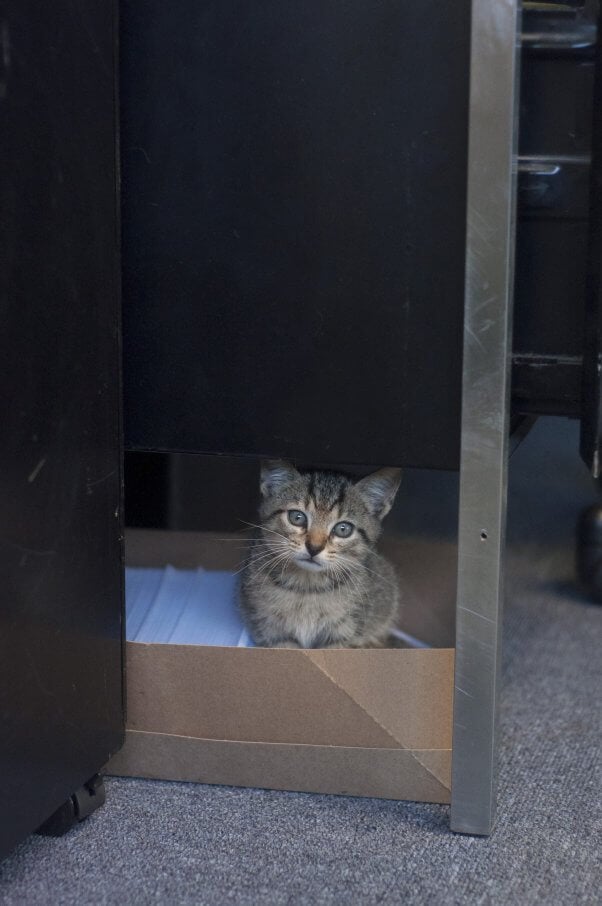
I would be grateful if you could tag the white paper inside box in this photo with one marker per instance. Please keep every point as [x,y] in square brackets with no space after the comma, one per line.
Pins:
[356,722]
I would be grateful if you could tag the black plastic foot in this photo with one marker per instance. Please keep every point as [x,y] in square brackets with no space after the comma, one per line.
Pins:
[78,806]
[589,552]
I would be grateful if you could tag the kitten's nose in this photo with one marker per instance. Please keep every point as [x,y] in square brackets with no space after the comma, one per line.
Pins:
[314,549]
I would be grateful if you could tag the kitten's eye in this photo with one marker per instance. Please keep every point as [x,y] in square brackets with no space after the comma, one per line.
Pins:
[298,518]
[343,529]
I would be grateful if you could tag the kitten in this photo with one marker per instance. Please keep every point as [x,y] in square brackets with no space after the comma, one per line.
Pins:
[314,578]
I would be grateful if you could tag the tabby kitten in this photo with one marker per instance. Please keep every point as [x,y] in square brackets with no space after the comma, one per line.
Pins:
[313,578]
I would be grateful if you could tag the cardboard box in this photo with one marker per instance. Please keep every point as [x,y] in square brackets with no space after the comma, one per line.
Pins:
[354,722]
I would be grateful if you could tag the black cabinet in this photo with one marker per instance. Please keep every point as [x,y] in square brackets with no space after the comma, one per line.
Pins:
[61,696]
[294,181]
[555,147]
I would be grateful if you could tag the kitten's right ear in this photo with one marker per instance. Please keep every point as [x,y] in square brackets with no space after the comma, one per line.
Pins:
[275,475]
[379,490]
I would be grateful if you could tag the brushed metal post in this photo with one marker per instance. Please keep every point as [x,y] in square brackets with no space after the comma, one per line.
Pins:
[492,159]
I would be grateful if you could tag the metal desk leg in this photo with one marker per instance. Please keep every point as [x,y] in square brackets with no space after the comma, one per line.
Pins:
[485,408]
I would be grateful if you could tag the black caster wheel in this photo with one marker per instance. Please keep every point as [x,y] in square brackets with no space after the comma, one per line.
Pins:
[589,552]
[77,807]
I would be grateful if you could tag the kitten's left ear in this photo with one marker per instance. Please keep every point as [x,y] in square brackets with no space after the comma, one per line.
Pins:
[379,490]
[276,474]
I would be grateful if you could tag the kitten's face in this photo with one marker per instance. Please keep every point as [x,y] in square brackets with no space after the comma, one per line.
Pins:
[322,521]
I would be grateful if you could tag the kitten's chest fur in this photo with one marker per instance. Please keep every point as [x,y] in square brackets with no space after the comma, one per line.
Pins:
[309,618]
[352,614]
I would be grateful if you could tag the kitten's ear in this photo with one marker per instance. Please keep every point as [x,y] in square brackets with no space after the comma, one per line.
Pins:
[275,475]
[379,490]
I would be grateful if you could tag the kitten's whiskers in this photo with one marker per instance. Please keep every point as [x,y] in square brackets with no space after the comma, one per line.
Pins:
[356,564]
[264,529]
[262,555]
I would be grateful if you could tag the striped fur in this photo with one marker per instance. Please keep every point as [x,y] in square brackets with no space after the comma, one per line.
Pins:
[305,587]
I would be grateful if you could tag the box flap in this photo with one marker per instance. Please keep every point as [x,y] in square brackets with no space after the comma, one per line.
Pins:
[408,693]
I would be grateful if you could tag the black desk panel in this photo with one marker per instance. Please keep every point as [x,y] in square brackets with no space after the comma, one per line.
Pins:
[61,709]
[293,227]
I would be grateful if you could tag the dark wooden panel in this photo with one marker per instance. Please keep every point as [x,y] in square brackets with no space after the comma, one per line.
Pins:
[294,219]
[60,554]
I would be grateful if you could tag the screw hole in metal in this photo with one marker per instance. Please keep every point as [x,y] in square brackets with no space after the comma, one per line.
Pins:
[484,535]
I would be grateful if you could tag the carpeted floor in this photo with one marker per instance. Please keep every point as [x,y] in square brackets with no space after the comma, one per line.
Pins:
[186,844]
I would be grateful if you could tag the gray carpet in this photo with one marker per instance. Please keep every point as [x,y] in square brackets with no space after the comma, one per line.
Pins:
[177,843]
